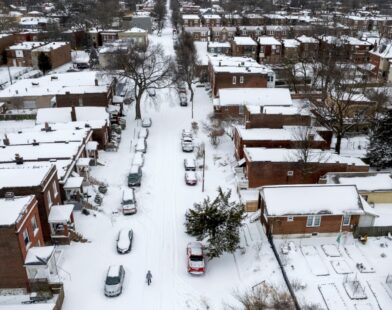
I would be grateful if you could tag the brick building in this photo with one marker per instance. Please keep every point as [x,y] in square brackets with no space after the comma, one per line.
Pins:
[6,40]
[380,57]
[270,50]
[286,166]
[310,209]
[20,55]
[238,72]
[251,31]
[20,230]
[288,137]
[308,46]
[59,53]
[211,20]
[223,34]
[42,182]
[199,33]
[244,46]
[191,20]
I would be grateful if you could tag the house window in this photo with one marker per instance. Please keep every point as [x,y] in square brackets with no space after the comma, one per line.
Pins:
[49,198]
[313,221]
[346,219]
[290,218]
[55,192]
[26,238]
[34,225]
[234,80]
[241,80]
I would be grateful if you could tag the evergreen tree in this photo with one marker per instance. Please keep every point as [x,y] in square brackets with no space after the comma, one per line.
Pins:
[380,148]
[217,222]
[44,63]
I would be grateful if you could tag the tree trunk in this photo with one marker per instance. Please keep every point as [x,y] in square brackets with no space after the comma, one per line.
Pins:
[138,114]
[338,143]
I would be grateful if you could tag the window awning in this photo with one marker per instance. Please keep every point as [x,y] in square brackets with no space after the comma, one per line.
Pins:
[39,255]
[241,162]
[60,213]
[73,183]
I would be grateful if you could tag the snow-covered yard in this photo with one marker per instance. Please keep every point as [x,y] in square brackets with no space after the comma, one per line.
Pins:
[349,275]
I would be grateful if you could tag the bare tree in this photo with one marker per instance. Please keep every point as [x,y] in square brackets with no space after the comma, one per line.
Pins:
[187,61]
[148,69]
[159,13]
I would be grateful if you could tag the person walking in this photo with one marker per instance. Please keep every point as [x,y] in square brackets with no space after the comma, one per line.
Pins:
[149,277]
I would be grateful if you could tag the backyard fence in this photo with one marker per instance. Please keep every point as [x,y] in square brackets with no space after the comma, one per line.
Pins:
[372,231]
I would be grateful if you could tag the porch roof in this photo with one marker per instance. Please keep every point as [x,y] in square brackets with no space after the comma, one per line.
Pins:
[83,162]
[73,183]
[60,213]
[39,255]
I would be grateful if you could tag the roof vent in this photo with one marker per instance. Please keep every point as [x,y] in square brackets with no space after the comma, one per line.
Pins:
[18,159]
[53,77]
[35,83]
[9,196]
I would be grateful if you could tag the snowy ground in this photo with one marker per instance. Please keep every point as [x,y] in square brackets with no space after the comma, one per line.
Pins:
[331,273]
[159,237]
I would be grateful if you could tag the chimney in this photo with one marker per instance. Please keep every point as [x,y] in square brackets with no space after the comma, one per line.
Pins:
[18,159]
[35,143]
[73,114]
[9,195]
[261,109]
[96,82]
[6,141]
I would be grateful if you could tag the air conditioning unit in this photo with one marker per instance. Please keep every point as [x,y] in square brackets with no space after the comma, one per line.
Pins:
[290,173]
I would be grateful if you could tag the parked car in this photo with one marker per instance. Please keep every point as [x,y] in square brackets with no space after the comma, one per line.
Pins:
[135,176]
[189,164]
[141,145]
[186,134]
[143,133]
[124,240]
[187,144]
[190,178]
[128,201]
[114,280]
[138,159]
[151,92]
[183,100]
[196,264]
[181,87]
[146,122]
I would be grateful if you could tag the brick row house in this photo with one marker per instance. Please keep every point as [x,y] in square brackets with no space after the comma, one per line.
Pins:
[309,210]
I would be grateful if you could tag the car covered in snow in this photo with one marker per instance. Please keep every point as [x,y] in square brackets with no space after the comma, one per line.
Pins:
[143,133]
[135,176]
[138,159]
[186,134]
[151,92]
[124,240]
[190,178]
[146,122]
[189,164]
[195,258]
[114,280]
[128,201]
[141,145]
[187,144]
[183,100]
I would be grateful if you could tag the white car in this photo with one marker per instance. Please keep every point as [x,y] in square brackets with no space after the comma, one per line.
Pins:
[138,159]
[128,202]
[114,280]
[146,122]
[190,178]
[189,164]
[187,144]
[143,133]
[186,134]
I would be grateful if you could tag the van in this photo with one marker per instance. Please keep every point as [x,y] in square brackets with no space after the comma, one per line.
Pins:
[114,280]
[141,145]
[135,176]
[138,159]
[128,202]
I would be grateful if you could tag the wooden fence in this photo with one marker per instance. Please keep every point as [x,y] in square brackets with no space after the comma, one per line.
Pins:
[372,231]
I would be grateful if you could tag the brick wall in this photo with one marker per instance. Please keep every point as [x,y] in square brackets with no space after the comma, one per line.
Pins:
[275,173]
[89,99]
[225,80]
[275,120]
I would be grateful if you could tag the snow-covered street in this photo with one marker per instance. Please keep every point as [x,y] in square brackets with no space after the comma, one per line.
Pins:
[160,241]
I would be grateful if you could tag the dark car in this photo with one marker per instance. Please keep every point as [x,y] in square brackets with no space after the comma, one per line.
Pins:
[135,176]
[124,240]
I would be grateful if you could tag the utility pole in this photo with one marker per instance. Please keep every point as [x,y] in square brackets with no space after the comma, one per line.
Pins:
[9,74]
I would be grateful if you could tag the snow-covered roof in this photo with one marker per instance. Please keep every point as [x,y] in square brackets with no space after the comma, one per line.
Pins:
[59,84]
[292,110]
[244,41]
[306,39]
[287,133]
[22,176]
[254,96]
[28,45]
[311,199]
[244,65]
[196,29]
[136,30]
[50,46]
[366,181]
[190,16]
[290,43]
[202,54]
[73,183]
[260,154]
[11,210]
[38,255]
[63,115]
[265,40]
[214,44]
[211,16]
[60,213]
[40,152]
[383,51]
